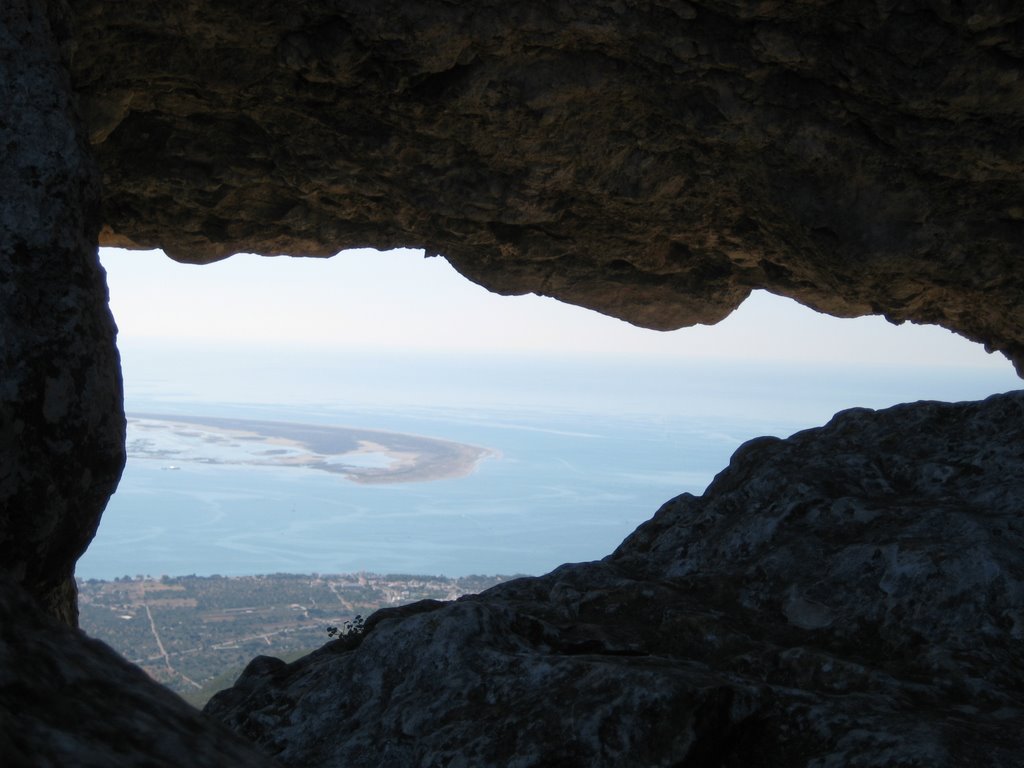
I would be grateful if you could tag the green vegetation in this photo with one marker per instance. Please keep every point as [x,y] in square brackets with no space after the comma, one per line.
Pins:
[353,628]
[195,634]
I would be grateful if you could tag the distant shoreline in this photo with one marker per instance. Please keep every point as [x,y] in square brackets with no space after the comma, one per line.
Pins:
[365,456]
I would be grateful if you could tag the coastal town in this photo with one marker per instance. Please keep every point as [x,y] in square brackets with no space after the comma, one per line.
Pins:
[194,634]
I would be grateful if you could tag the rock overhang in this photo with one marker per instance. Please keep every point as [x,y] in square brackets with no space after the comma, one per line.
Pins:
[655,162]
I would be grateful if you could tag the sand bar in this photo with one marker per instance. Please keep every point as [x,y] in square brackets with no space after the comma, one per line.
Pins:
[360,455]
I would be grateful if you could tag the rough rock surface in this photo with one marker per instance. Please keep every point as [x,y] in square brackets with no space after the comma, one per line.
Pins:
[853,595]
[652,160]
[61,417]
[72,702]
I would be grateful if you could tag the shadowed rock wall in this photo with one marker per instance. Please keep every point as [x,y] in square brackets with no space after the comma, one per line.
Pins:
[61,418]
[654,161]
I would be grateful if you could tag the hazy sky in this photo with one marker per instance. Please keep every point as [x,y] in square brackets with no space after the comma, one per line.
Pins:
[399,300]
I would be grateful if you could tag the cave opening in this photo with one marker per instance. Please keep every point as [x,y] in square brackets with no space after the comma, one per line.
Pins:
[584,424]
[313,439]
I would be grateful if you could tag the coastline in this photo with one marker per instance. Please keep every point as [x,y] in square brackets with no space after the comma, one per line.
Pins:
[364,456]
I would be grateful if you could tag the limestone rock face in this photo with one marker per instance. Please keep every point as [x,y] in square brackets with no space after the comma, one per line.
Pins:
[69,701]
[654,161]
[853,595]
[61,416]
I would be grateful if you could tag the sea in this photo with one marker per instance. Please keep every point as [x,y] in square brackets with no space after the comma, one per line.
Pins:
[584,451]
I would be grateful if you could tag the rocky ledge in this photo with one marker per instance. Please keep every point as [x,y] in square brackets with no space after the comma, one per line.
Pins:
[853,595]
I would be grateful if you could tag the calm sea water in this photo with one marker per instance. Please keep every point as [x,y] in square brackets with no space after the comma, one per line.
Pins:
[588,451]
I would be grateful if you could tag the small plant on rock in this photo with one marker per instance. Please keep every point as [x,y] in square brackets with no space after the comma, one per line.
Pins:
[350,629]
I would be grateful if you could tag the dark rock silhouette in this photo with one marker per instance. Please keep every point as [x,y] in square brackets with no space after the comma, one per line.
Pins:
[61,418]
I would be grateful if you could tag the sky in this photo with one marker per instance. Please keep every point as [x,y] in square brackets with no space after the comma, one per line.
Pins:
[400,301]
